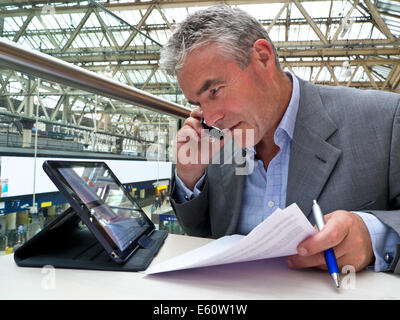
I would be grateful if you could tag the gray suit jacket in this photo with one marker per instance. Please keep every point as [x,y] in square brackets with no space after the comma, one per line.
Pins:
[345,153]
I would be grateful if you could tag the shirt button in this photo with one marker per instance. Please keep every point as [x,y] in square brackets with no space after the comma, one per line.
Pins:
[388,258]
[271,204]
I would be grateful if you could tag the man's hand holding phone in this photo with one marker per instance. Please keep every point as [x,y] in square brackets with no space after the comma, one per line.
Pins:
[195,148]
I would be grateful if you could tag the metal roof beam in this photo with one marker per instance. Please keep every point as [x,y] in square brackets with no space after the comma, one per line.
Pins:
[310,21]
[379,21]
[344,21]
[269,23]
[68,7]
[77,30]
[106,31]
[23,27]
[138,26]
[370,77]
[108,57]
[284,7]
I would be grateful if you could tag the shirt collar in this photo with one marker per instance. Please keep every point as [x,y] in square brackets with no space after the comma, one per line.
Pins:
[289,118]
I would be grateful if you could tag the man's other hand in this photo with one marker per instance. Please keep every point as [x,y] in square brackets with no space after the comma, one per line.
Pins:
[346,233]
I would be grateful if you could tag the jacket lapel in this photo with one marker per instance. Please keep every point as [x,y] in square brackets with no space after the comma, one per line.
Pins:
[312,157]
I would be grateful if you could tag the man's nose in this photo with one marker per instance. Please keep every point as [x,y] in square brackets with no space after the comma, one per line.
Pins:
[212,114]
[214,119]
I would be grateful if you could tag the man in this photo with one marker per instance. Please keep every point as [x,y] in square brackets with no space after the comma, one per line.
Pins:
[337,145]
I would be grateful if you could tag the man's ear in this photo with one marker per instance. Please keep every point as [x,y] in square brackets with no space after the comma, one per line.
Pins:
[263,52]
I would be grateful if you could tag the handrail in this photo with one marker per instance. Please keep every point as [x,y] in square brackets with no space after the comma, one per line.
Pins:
[13,56]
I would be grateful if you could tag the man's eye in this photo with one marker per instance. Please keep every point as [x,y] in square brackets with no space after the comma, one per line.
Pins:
[214,91]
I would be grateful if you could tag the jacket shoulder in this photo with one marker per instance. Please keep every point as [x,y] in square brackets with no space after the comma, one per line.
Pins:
[347,98]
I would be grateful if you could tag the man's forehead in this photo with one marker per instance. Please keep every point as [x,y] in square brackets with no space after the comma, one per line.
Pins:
[202,69]
[200,57]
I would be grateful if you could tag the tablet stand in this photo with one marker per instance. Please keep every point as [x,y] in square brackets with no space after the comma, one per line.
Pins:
[63,244]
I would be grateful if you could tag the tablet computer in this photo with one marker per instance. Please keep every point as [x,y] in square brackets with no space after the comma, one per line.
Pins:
[104,205]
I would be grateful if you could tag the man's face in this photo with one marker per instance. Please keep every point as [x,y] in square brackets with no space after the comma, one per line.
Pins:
[229,96]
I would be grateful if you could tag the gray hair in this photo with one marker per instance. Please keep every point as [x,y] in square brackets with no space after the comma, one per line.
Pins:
[232,29]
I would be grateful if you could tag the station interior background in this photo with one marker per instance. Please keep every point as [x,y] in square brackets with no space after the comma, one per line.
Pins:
[331,42]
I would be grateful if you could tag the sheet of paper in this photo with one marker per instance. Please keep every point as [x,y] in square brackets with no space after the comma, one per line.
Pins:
[276,236]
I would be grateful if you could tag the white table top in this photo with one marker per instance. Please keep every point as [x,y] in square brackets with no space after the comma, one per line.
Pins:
[264,279]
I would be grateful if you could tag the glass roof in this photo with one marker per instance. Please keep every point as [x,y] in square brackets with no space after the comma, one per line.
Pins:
[96,38]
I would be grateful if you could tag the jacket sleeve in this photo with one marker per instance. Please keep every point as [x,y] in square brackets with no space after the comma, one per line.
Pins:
[391,217]
[193,214]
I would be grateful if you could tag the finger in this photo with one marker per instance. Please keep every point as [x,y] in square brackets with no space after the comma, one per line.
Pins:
[333,233]
[186,134]
[316,260]
[342,249]
[197,113]
[194,123]
[298,262]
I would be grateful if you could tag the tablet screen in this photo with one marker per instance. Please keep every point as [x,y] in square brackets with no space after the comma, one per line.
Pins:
[109,206]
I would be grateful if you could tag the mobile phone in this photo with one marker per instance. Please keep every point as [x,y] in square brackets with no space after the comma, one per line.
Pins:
[214,132]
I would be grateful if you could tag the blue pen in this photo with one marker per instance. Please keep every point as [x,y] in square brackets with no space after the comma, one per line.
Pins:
[329,254]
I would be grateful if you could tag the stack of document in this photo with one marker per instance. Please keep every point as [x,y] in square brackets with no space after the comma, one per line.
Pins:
[276,236]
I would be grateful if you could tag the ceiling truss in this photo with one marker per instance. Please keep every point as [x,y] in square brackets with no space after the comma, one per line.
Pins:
[125,50]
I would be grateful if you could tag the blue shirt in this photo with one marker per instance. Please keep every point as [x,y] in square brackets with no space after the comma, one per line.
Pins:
[265,190]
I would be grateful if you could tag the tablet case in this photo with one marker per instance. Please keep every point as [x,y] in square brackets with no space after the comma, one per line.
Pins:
[64,244]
